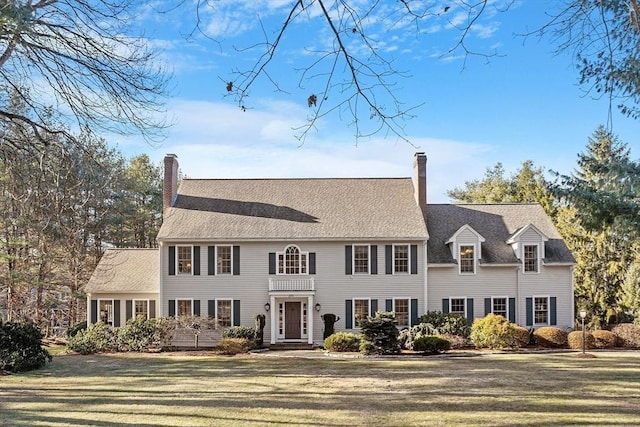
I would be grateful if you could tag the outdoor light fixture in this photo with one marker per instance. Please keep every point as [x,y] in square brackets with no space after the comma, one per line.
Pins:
[583,314]
[267,307]
[318,306]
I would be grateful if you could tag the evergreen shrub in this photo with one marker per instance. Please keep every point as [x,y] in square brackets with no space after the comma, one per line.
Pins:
[21,347]
[431,344]
[141,334]
[448,323]
[493,331]
[342,342]
[379,334]
[408,335]
[72,331]
[97,338]
[244,332]
[550,337]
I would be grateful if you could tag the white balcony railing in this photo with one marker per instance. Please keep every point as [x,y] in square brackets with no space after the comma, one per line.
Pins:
[289,285]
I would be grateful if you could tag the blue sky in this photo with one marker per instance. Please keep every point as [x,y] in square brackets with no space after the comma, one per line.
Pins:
[522,105]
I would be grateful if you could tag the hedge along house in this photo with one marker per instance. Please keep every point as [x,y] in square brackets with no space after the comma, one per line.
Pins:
[295,249]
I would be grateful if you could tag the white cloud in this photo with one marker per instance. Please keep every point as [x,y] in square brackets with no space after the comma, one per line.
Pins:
[214,140]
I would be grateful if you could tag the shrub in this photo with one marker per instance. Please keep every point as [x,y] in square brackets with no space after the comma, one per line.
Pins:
[431,344]
[628,334]
[453,324]
[244,332]
[550,337]
[407,336]
[574,339]
[605,339]
[141,334]
[231,346]
[379,334]
[493,331]
[521,336]
[97,338]
[456,341]
[21,347]
[342,342]
[72,331]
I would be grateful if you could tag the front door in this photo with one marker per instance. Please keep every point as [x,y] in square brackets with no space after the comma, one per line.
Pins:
[292,321]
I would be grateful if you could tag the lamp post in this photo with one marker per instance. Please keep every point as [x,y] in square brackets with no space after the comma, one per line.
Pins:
[583,314]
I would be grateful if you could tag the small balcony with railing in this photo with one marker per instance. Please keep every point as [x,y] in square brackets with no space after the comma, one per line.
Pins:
[292,285]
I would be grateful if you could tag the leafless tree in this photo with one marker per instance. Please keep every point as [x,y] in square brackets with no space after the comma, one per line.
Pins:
[348,71]
[83,59]
[604,38]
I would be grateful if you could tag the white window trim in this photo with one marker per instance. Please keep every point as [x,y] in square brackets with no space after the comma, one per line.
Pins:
[216,261]
[353,310]
[408,258]
[408,310]
[464,314]
[184,299]
[353,259]
[178,273]
[533,310]
[133,307]
[112,310]
[283,254]
[231,304]
[537,258]
[475,259]
[507,305]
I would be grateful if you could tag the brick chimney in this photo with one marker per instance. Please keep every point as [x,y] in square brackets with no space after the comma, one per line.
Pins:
[420,179]
[170,182]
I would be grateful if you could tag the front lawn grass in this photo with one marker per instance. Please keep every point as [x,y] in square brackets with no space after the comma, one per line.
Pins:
[182,389]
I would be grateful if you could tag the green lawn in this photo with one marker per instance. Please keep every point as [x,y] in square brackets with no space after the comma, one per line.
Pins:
[192,390]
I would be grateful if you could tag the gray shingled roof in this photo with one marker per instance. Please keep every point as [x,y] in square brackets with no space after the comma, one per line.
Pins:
[496,223]
[126,270]
[294,209]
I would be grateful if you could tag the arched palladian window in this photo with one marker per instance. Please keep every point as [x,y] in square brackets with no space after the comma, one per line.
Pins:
[292,261]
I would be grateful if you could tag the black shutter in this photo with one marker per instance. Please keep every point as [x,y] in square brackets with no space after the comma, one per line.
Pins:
[272,263]
[128,309]
[470,309]
[388,304]
[211,260]
[211,308]
[414,259]
[445,305]
[116,312]
[374,307]
[152,309]
[388,259]
[236,260]
[414,311]
[312,263]
[374,259]
[172,260]
[552,311]
[172,308]
[196,307]
[196,260]
[487,306]
[512,310]
[348,314]
[94,311]
[529,310]
[348,261]
[236,312]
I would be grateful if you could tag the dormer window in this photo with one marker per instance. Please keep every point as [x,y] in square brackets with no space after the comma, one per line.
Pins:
[530,258]
[467,259]
[292,261]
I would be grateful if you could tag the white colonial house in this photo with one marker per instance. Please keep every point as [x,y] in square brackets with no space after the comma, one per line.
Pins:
[295,249]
